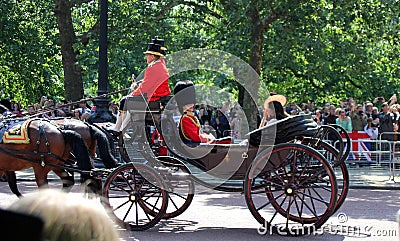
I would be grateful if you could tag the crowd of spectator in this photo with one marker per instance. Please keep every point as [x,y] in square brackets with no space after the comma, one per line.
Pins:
[373,117]
[49,108]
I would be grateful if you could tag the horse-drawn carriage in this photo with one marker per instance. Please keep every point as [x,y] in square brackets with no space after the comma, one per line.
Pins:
[287,171]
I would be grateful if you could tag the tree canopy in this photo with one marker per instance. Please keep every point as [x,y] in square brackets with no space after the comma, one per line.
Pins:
[325,50]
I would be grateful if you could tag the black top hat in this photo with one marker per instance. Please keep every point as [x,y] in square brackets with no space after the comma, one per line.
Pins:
[154,49]
[160,42]
[185,93]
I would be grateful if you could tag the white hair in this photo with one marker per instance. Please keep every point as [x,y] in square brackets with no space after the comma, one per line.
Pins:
[68,217]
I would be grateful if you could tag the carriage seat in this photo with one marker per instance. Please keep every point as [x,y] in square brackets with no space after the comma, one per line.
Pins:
[285,130]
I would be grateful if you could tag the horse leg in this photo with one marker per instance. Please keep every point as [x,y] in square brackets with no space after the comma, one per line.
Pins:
[67,179]
[12,182]
[41,176]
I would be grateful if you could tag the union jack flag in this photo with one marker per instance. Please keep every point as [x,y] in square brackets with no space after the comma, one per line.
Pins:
[360,149]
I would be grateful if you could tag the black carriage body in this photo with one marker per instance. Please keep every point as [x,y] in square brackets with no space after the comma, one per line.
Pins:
[292,179]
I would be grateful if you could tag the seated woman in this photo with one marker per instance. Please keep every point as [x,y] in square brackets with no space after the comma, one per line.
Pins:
[273,109]
[189,124]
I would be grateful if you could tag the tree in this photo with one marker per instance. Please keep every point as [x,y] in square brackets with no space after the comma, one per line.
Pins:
[73,84]
[321,50]
[30,65]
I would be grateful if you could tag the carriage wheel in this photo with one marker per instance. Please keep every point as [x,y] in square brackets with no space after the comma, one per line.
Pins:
[346,152]
[341,171]
[130,191]
[290,189]
[334,133]
[180,186]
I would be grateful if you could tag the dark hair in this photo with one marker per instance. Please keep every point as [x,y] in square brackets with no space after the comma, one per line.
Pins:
[279,111]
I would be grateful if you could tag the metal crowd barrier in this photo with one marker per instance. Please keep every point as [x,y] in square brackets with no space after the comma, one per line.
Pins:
[378,153]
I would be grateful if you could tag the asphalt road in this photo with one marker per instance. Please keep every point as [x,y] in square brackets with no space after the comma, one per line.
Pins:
[366,215]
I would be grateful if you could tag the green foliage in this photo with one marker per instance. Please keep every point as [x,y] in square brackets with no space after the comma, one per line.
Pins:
[30,64]
[320,50]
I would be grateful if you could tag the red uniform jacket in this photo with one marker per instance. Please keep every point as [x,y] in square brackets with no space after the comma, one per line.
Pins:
[189,127]
[155,81]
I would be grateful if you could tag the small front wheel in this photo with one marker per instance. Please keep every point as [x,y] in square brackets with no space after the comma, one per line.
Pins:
[136,195]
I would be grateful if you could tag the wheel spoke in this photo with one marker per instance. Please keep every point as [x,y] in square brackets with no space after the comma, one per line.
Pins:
[121,205]
[129,209]
[317,199]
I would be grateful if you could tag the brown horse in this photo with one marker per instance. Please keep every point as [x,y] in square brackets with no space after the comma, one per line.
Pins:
[49,149]
[93,136]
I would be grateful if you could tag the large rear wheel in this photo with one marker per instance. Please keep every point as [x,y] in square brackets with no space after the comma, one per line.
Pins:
[290,189]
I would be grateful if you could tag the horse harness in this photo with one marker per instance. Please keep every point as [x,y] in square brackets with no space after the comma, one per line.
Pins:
[41,134]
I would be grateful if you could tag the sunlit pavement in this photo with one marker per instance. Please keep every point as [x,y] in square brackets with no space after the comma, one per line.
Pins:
[367,214]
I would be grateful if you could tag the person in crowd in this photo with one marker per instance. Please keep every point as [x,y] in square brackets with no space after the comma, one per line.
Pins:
[292,108]
[37,106]
[66,107]
[206,112]
[220,123]
[77,114]
[31,110]
[42,100]
[189,124]
[368,109]
[84,110]
[311,105]
[318,117]
[273,109]
[236,124]
[207,128]
[343,120]
[305,108]
[201,115]
[197,112]
[371,128]
[17,109]
[387,123]
[378,101]
[155,82]
[67,217]
[331,118]
[375,113]
[225,109]
[113,108]
[358,118]
[51,111]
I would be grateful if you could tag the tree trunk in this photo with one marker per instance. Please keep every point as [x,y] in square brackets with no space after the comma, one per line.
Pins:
[247,101]
[73,83]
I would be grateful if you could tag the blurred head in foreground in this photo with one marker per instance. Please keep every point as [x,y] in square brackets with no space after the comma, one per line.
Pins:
[68,217]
